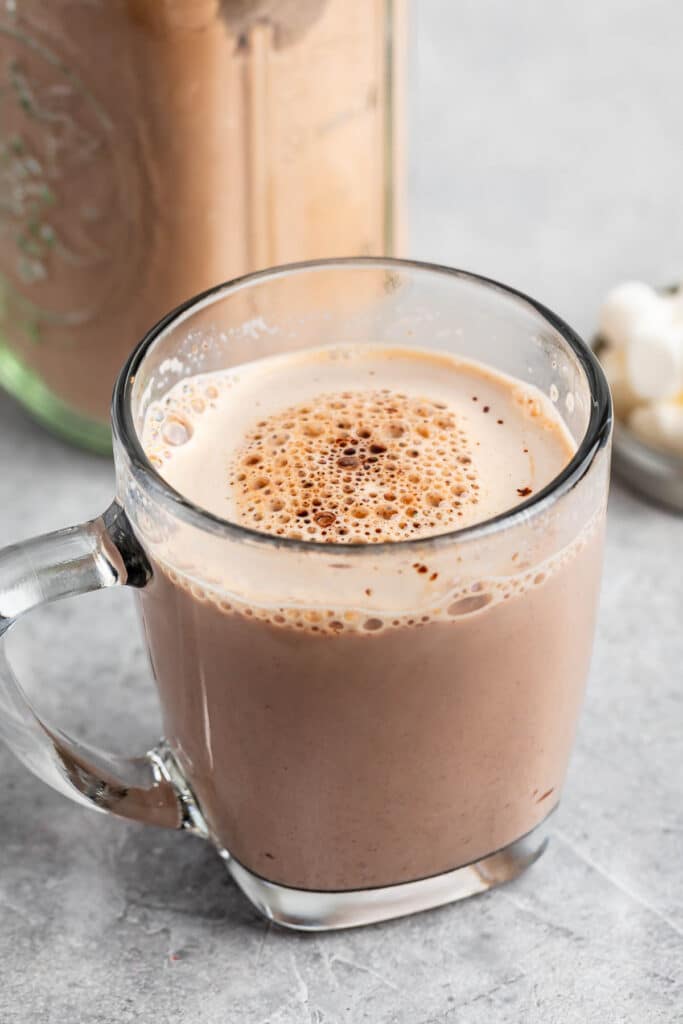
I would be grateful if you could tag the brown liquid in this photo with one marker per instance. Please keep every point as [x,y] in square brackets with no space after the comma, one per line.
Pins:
[338,762]
[333,748]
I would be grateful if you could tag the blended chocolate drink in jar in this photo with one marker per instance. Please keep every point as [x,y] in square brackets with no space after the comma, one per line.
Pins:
[150,149]
[402,721]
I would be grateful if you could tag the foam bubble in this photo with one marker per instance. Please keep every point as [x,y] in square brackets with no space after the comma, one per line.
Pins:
[356,466]
[468,605]
[176,430]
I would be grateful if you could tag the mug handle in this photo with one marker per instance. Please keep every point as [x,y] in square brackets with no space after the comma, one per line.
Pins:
[96,555]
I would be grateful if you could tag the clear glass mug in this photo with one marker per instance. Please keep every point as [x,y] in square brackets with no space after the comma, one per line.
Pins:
[337,790]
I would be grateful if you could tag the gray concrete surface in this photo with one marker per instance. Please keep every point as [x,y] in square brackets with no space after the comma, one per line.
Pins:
[546,150]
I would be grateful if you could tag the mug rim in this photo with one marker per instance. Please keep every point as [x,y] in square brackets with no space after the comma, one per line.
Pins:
[596,435]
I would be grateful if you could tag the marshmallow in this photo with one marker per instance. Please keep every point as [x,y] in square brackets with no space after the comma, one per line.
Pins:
[625,399]
[624,307]
[677,304]
[660,424]
[654,359]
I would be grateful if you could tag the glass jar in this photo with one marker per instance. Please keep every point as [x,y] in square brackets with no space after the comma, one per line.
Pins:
[152,148]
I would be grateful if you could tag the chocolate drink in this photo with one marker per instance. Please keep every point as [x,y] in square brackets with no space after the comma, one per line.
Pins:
[383,724]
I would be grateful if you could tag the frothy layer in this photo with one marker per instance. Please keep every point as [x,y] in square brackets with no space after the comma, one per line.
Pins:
[356,465]
[356,444]
[459,602]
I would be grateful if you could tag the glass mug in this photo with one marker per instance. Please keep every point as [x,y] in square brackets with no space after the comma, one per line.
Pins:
[346,774]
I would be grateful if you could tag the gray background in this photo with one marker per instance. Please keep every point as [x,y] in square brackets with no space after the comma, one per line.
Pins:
[545,150]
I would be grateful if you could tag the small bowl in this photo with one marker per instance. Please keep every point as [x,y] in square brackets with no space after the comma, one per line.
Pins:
[655,474]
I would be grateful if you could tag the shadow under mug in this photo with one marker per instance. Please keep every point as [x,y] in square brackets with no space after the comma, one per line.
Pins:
[357,744]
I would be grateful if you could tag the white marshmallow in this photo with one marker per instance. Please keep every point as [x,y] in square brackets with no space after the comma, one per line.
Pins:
[624,307]
[654,359]
[613,362]
[677,304]
[660,425]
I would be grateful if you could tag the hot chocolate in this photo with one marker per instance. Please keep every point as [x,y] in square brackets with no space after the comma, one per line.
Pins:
[399,723]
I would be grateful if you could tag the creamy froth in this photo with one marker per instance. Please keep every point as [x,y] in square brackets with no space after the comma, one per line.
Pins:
[356,444]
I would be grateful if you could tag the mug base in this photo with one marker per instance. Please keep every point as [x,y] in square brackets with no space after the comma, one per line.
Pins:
[310,911]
